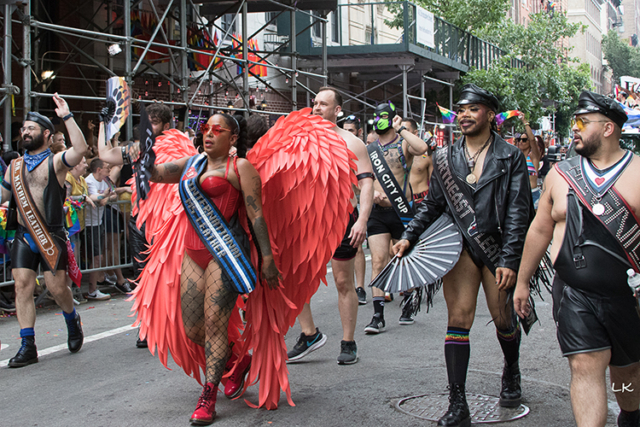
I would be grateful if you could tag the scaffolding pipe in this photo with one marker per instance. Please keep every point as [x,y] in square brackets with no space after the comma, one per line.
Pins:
[26,71]
[294,61]
[245,56]
[184,66]
[7,72]
[127,64]
[325,71]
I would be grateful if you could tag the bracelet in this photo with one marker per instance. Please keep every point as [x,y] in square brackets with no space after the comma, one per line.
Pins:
[67,117]
[401,129]
[526,123]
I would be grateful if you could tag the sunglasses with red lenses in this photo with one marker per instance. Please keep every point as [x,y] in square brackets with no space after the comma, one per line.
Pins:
[205,128]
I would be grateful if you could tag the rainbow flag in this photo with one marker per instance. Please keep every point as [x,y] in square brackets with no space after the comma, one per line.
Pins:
[71,216]
[5,236]
[448,116]
[500,118]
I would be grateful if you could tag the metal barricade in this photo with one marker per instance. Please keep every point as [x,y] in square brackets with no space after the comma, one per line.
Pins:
[102,245]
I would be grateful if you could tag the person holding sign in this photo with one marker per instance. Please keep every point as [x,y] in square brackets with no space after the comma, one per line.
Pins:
[34,184]
[589,207]
[482,182]
[392,157]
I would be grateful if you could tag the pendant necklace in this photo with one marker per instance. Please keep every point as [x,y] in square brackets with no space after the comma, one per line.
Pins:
[471,160]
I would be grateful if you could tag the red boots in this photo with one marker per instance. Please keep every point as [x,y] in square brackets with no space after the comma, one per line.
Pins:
[235,383]
[205,412]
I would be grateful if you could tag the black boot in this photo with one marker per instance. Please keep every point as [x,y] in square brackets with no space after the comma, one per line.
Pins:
[511,393]
[458,413]
[27,354]
[629,419]
[76,337]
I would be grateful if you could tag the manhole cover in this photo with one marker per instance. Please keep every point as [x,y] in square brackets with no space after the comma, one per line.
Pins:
[483,409]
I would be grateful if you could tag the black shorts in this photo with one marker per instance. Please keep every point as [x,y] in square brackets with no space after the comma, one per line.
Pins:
[586,322]
[384,220]
[113,220]
[345,251]
[22,256]
[95,236]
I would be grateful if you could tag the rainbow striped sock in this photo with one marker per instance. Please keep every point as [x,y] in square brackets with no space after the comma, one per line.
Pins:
[457,336]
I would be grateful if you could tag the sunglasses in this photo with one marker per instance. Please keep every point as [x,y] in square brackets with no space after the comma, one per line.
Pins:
[353,118]
[522,139]
[582,123]
[205,128]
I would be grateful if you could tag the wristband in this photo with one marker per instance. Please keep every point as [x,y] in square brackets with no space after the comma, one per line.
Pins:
[365,175]
[67,117]
[526,123]
[401,129]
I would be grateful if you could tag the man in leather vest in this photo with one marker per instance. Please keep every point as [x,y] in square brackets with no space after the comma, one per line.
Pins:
[588,210]
[490,177]
[43,177]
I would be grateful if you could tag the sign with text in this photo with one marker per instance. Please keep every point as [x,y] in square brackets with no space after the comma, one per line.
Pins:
[425,27]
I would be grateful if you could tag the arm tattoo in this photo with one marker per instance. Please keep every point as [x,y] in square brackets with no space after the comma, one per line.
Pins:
[252,202]
[169,170]
[262,234]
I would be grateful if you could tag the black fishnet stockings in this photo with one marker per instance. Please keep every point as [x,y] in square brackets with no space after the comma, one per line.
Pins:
[206,307]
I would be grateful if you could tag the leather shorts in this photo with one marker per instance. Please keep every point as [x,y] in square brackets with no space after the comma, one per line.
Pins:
[23,256]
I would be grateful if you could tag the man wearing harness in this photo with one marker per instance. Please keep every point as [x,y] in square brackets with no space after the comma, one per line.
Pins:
[35,184]
[328,103]
[482,182]
[588,209]
[392,156]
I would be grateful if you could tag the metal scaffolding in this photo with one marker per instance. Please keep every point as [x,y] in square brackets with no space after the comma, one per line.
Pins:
[78,33]
[177,15]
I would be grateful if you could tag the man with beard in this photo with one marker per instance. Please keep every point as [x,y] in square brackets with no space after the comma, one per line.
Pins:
[392,156]
[160,118]
[327,104]
[36,183]
[482,182]
[588,209]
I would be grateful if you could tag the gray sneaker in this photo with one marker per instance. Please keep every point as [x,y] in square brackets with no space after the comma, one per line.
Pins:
[306,345]
[348,353]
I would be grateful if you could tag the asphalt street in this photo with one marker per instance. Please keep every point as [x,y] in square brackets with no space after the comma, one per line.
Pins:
[110,382]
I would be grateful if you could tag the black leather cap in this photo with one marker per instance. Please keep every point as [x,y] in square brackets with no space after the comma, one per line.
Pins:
[591,102]
[472,94]
[43,121]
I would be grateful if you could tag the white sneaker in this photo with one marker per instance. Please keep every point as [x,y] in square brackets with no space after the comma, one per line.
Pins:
[98,296]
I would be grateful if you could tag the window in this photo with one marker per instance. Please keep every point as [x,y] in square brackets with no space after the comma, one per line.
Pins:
[226,23]
[335,26]
[271,19]
[316,29]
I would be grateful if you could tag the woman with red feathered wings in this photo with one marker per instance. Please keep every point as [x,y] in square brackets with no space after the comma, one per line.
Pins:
[307,174]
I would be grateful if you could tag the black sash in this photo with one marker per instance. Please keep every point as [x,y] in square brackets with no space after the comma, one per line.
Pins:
[618,217]
[213,229]
[390,185]
[460,201]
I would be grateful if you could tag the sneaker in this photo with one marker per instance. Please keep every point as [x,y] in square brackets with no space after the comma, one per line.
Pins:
[348,353]
[306,345]
[111,278]
[6,306]
[406,318]
[388,297]
[124,288]
[141,343]
[376,326]
[98,296]
[362,296]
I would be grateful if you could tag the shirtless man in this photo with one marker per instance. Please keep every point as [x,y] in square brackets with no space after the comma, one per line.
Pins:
[352,124]
[328,103]
[399,146]
[44,175]
[596,315]
[421,169]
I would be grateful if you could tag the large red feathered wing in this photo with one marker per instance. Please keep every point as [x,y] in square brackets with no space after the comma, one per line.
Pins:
[307,174]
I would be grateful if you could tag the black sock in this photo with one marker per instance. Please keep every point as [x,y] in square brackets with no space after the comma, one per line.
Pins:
[378,306]
[510,343]
[456,354]
[629,418]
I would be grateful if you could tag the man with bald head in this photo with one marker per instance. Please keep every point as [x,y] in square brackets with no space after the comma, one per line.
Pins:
[327,104]
[588,211]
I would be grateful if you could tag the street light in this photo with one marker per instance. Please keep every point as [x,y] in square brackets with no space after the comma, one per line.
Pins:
[114,49]
[48,74]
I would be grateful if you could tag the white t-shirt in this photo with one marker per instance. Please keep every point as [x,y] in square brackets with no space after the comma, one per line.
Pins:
[94,215]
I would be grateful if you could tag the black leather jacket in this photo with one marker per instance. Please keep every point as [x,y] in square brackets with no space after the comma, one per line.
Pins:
[502,199]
